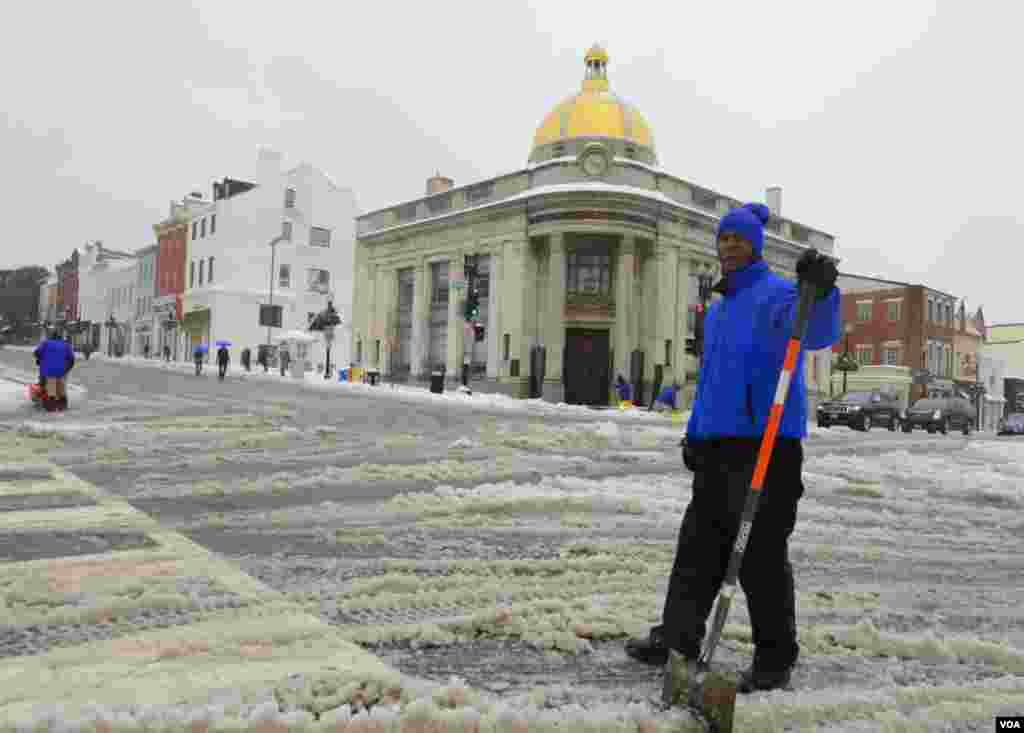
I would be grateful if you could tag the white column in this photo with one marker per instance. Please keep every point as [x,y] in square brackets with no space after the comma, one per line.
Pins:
[512,320]
[554,323]
[420,317]
[665,310]
[456,323]
[624,310]
[493,332]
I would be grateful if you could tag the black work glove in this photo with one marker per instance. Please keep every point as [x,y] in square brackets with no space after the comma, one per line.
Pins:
[693,455]
[815,268]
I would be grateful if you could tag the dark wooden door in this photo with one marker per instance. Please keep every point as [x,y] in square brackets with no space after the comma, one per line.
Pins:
[586,366]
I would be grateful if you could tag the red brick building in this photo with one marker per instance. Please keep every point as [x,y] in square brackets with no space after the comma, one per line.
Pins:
[901,324]
[67,289]
[172,237]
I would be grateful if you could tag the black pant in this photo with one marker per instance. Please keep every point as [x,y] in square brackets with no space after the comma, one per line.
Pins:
[222,369]
[708,530]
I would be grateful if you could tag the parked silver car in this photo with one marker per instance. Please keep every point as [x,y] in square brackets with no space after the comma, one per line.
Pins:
[940,414]
[1012,424]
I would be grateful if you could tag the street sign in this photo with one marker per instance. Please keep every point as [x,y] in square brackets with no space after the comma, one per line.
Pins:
[270,315]
[920,376]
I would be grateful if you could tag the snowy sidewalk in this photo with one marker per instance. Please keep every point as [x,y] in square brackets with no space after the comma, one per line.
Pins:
[477,400]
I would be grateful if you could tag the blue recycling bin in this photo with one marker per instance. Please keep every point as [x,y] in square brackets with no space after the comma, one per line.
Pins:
[343,375]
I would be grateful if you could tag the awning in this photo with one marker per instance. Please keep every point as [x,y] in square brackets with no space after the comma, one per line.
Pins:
[196,321]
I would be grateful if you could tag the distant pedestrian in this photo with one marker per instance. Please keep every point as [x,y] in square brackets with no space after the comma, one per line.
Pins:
[145,351]
[285,360]
[247,359]
[622,388]
[197,355]
[222,362]
[167,353]
[261,357]
[667,399]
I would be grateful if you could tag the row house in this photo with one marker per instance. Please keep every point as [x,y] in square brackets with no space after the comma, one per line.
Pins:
[106,279]
[172,251]
[67,310]
[287,237]
[145,325]
[900,324]
[1006,340]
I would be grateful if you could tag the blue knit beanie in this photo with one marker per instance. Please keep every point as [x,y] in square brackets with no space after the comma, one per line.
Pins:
[748,221]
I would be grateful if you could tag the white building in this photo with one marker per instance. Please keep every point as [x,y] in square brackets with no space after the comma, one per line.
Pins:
[145,327]
[119,278]
[992,370]
[230,266]
[96,302]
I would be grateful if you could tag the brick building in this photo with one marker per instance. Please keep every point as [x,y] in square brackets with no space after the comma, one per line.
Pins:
[172,249]
[67,290]
[901,324]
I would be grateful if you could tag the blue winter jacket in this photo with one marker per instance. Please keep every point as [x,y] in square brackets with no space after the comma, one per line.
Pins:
[668,396]
[623,390]
[745,337]
[56,357]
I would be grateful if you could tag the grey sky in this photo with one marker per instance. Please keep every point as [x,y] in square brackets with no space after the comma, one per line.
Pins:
[893,125]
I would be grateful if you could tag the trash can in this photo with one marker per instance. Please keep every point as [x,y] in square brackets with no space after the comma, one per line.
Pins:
[437,382]
[343,375]
[374,375]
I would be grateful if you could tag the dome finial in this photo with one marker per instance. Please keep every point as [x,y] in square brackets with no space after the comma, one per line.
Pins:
[596,61]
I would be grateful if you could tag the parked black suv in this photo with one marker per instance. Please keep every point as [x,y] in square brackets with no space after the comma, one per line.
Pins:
[860,410]
[940,414]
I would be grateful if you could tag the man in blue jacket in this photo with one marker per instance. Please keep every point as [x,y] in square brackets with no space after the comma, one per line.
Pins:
[746,333]
[55,357]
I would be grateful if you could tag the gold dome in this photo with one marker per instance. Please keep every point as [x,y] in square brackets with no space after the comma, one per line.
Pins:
[594,112]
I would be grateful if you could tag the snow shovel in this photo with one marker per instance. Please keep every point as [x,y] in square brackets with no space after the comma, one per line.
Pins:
[693,682]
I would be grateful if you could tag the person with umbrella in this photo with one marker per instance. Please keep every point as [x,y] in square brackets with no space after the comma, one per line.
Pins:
[223,358]
[197,355]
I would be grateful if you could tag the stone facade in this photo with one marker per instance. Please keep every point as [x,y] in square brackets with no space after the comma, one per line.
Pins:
[530,228]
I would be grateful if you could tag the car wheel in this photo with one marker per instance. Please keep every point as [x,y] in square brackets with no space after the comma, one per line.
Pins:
[908,428]
[967,427]
[865,423]
[931,430]
[823,424]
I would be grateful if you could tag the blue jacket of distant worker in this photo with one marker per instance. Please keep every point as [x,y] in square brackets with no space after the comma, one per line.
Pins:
[55,357]
[745,338]
[624,391]
[668,396]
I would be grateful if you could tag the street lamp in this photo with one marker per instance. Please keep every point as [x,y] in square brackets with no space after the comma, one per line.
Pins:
[325,322]
[111,324]
[273,261]
[704,283]
[847,329]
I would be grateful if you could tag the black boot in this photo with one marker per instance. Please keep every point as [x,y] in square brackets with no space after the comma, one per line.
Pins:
[762,678]
[654,649]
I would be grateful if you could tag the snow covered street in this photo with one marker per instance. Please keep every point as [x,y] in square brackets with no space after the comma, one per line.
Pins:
[516,546]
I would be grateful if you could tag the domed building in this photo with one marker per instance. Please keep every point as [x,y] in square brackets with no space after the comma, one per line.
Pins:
[579,267]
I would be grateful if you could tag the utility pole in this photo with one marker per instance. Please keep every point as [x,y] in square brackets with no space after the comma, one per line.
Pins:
[273,261]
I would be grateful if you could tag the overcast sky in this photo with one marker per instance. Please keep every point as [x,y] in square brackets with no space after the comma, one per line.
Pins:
[895,126]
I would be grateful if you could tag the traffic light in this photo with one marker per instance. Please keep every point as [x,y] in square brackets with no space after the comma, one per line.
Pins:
[473,305]
[478,331]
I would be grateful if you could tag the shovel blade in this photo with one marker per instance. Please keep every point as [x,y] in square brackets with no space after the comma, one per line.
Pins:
[709,692]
